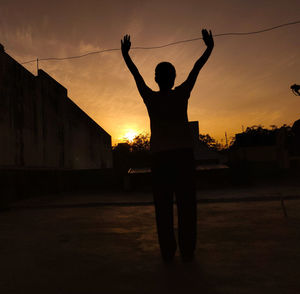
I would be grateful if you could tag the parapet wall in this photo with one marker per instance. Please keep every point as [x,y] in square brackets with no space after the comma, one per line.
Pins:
[40,127]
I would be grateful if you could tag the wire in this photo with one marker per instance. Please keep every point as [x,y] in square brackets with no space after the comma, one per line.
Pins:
[167,45]
[72,57]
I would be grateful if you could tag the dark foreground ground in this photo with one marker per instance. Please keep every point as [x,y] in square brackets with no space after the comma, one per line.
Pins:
[69,247]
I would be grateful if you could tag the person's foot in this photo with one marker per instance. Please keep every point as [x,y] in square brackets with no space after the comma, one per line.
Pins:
[188,257]
[168,258]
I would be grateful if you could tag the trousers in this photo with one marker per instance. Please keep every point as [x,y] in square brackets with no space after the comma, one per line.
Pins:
[173,173]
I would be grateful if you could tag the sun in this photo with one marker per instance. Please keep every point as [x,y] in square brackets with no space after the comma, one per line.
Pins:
[130,135]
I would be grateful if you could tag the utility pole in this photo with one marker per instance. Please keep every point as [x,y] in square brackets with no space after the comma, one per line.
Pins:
[226,140]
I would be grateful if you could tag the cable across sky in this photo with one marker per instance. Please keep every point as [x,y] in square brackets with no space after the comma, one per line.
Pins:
[165,45]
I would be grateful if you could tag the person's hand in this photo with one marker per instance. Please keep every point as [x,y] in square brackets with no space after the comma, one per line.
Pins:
[125,44]
[208,39]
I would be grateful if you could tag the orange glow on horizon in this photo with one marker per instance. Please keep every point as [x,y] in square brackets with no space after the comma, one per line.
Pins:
[245,82]
[129,135]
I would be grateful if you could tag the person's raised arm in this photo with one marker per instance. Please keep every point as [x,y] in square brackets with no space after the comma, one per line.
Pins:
[125,47]
[209,42]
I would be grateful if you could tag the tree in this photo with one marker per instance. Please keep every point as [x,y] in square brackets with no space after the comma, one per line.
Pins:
[210,142]
[132,154]
[141,143]
[257,135]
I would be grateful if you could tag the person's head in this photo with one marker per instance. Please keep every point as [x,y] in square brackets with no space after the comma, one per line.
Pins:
[165,74]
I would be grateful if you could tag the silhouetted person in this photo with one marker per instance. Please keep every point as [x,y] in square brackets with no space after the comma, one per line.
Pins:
[173,165]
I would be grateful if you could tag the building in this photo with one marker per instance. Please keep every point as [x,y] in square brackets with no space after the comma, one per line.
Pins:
[205,157]
[41,128]
[260,148]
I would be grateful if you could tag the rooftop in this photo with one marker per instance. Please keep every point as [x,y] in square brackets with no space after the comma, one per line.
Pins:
[67,246]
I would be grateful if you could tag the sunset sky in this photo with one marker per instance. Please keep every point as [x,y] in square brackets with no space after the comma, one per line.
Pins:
[245,82]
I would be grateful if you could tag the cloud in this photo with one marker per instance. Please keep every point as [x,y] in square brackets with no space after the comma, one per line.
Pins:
[246,81]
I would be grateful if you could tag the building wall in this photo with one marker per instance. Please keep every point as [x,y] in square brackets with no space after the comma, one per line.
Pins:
[257,154]
[202,153]
[40,127]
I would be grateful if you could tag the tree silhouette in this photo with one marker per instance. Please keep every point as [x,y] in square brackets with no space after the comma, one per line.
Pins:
[132,154]
[141,143]
[257,135]
[210,142]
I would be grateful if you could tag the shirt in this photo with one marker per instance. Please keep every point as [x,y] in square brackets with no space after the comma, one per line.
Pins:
[168,118]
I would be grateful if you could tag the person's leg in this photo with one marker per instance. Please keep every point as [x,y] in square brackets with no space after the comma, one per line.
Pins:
[163,201]
[164,222]
[186,204]
[187,222]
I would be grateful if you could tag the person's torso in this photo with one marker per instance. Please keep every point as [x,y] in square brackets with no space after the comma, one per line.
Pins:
[168,120]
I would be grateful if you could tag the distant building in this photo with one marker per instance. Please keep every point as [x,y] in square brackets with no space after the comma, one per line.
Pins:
[276,149]
[203,155]
[42,128]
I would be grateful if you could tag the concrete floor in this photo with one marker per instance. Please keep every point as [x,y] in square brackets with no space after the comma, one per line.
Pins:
[245,247]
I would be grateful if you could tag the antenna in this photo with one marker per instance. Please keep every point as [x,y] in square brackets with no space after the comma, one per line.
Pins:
[226,140]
